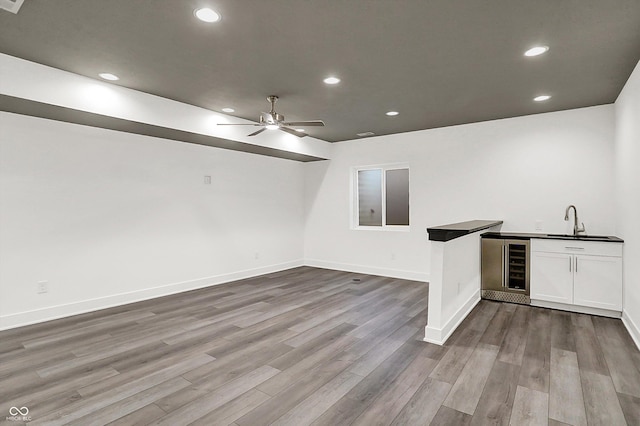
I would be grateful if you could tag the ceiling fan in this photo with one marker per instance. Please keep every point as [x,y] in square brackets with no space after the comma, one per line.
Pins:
[273,121]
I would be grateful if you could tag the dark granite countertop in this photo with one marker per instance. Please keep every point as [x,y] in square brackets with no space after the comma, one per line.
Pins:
[460,229]
[528,236]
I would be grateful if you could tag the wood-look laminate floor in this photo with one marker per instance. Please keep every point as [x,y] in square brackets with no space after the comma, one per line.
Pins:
[312,346]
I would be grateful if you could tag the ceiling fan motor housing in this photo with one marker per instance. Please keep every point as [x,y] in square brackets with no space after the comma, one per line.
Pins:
[275,118]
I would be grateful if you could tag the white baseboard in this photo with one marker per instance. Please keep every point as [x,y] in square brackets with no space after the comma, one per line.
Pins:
[440,335]
[632,328]
[60,311]
[575,308]
[371,270]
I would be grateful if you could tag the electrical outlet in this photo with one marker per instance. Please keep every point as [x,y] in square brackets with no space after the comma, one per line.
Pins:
[43,287]
[256,256]
[458,288]
[539,226]
[393,256]
[207,180]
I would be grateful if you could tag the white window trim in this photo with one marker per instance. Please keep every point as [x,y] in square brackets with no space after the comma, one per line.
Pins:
[354,201]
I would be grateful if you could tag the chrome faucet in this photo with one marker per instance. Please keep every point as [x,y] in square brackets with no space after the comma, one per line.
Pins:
[576,229]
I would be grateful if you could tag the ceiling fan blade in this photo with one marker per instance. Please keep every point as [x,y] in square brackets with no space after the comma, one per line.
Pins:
[237,124]
[257,132]
[292,132]
[305,123]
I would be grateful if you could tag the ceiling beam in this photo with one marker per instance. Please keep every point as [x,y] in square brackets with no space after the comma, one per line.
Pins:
[69,115]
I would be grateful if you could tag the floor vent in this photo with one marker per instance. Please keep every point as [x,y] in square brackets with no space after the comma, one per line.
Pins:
[12,6]
[502,296]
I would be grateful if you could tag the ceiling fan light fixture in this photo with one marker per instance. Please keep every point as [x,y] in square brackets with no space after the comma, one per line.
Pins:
[537,50]
[207,15]
[542,98]
[271,127]
[331,80]
[108,76]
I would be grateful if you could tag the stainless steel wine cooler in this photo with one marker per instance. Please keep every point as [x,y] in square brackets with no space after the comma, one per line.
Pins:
[505,270]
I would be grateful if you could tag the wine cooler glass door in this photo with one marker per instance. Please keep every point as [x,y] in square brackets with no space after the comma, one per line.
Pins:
[516,270]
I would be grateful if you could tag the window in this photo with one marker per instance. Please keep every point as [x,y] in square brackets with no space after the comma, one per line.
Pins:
[381,196]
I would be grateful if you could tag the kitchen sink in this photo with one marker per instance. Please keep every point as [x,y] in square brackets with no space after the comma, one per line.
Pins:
[581,237]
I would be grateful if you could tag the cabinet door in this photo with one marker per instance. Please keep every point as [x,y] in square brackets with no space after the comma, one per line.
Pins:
[492,258]
[552,277]
[598,282]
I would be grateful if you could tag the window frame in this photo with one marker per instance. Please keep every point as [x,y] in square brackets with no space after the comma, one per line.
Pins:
[355,201]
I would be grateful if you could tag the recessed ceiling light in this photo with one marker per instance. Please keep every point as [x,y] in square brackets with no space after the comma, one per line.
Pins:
[392,113]
[228,110]
[363,134]
[542,98]
[207,15]
[537,50]
[271,126]
[331,80]
[300,130]
[109,76]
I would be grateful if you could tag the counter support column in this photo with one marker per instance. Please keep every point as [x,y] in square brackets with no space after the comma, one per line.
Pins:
[454,288]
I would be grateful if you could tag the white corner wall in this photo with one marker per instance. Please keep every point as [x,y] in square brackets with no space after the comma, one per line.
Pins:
[627,108]
[109,218]
[519,170]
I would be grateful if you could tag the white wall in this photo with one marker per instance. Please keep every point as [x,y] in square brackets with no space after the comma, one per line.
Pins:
[628,196]
[108,217]
[518,170]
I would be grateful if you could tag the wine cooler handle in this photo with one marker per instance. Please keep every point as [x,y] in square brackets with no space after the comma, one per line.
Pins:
[505,267]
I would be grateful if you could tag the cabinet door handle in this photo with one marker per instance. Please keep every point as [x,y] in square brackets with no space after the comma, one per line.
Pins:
[570,260]
[574,248]
[576,265]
